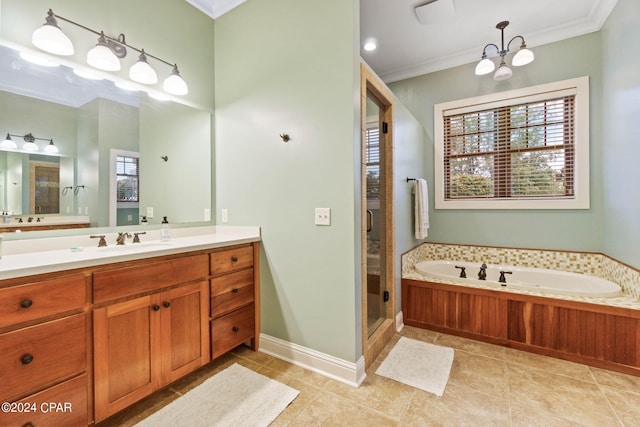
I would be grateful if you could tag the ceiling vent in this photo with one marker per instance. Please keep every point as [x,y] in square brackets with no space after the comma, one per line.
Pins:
[435,11]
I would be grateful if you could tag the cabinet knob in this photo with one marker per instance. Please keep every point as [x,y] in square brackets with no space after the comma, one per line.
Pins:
[26,359]
[234,259]
[28,425]
[166,304]
[235,329]
[26,303]
[234,290]
[155,307]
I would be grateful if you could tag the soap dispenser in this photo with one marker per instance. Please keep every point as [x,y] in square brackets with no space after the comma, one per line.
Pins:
[144,221]
[164,231]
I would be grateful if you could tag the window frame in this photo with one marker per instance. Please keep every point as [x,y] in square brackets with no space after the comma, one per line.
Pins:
[578,86]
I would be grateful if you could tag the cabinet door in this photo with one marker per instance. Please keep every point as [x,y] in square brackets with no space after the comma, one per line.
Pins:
[126,356]
[185,330]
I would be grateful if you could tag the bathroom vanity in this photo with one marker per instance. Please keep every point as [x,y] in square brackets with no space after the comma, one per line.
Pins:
[87,336]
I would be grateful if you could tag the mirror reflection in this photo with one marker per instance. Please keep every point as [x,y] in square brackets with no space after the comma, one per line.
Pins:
[121,155]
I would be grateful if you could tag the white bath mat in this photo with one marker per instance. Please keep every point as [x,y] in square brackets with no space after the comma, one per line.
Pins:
[418,364]
[236,396]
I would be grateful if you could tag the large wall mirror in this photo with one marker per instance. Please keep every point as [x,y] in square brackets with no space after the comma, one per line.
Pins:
[94,124]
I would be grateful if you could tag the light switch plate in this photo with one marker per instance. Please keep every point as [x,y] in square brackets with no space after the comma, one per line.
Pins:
[149,212]
[323,216]
[224,213]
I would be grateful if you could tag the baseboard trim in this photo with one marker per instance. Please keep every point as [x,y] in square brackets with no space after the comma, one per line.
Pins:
[349,373]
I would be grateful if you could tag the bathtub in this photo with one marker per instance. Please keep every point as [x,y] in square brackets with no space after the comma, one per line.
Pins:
[521,278]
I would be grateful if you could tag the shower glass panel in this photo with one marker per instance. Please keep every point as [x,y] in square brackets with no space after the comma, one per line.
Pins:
[376,287]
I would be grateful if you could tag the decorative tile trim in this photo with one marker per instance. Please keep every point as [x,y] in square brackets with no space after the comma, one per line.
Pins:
[594,264]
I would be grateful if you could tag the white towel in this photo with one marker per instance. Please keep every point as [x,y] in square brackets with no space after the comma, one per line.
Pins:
[421,209]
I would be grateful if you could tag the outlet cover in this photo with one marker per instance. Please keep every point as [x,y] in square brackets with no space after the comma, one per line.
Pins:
[323,216]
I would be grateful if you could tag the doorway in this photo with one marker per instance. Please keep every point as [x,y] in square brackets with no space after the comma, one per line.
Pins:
[378,267]
[44,194]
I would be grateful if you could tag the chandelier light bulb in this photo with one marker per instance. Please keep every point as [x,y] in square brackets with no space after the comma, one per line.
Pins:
[523,57]
[503,72]
[485,66]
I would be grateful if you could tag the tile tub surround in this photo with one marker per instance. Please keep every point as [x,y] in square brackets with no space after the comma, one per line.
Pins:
[594,264]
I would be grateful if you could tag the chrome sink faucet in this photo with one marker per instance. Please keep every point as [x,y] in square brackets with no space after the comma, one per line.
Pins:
[121,238]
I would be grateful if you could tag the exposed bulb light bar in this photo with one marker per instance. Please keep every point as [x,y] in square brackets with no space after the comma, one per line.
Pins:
[523,57]
[107,54]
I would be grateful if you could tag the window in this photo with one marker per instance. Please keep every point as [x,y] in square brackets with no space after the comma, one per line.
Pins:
[522,149]
[127,179]
[372,158]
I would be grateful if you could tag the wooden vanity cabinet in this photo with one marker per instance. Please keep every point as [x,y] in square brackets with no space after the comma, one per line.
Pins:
[43,350]
[143,343]
[235,304]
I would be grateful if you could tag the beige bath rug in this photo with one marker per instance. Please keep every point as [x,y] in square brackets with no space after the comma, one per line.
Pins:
[418,364]
[236,396]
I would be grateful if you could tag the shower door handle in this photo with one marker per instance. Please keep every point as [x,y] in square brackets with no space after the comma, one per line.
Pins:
[369,220]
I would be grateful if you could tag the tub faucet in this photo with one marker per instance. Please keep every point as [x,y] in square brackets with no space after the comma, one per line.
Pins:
[482,274]
[503,279]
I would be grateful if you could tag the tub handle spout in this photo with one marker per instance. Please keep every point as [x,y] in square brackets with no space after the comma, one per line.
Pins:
[503,279]
[463,274]
[482,274]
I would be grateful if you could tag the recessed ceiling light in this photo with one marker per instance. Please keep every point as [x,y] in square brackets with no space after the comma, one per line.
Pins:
[369,46]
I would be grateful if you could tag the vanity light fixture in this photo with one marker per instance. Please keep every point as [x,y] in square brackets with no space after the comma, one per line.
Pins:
[522,57]
[107,54]
[29,143]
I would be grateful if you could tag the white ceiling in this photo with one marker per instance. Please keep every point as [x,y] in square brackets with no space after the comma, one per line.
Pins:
[407,48]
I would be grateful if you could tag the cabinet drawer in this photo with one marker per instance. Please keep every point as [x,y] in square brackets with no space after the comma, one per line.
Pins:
[41,299]
[62,405]
[232,330]
[38,356]
[231,291]
[129,281]
[231,259]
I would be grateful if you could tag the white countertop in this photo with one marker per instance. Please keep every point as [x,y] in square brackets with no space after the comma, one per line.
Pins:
[44,221]
[37,256]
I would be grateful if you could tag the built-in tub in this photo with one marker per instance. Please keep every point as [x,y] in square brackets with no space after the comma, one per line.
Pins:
[521,278]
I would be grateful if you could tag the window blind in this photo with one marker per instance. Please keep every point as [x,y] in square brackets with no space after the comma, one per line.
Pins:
[520,151]
[127,178]
[372,159]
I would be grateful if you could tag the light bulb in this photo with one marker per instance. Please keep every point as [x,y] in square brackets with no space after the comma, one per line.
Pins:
[485,66]
[103,58]
[50,38]
[142,72]
[174,83]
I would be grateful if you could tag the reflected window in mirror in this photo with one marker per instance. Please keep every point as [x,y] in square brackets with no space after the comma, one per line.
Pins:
[128,179]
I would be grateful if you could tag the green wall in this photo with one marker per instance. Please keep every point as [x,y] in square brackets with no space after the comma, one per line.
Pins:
[286,66]
[621,147]
[553,229]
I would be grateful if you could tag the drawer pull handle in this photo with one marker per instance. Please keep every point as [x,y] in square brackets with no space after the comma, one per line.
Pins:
[166,304]
[26,303]
[26,359]
[235,329]
[234,259]
[235,290]
[155,307]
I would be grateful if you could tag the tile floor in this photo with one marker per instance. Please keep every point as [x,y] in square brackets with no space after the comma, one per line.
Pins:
[489,386]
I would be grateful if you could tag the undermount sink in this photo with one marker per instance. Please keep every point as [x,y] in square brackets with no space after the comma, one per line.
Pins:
[132,247]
